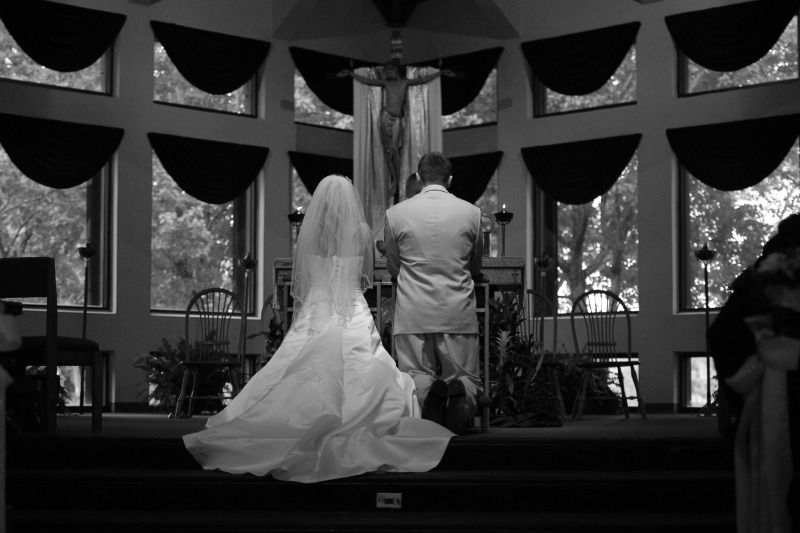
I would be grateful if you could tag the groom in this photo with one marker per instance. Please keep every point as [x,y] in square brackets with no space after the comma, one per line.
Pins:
[433,250]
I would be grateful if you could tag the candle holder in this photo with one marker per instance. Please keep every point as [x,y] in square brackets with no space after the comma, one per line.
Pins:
[87,252]
[296,219]
[503,218]
[487,224]
[248,264]
[543,263]
[705,255]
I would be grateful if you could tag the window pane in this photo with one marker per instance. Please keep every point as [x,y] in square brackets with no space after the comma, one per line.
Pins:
[697,375]
[482,110]
[170,86]
[17,65]
[300,199]
[598,244]
[193,243]
[308,109]
[489,205]
[41,221]
[780,63]
[734,223]
[619,89]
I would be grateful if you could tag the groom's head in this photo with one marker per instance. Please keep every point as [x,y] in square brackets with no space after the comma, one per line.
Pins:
[434,169]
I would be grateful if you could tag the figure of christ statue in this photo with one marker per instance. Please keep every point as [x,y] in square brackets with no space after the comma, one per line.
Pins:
[394,90]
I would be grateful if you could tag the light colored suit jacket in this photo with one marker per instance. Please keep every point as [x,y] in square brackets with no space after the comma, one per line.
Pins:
[433,250]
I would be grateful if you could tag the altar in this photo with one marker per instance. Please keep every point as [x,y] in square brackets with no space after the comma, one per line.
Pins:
[500,275]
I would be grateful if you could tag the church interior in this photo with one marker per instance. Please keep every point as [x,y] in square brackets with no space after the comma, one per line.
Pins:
[604,471]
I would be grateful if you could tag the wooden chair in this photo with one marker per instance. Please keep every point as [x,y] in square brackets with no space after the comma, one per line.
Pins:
[538,311]
[208,346]
[35,277]
[605,343]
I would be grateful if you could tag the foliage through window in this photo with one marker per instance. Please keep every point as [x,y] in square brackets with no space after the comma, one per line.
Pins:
[598,243]
[734,223]
[619,89]
[17,65]
[309,109]
[195,245]
[482,110]
[36,220]
[780,63]
[169,86]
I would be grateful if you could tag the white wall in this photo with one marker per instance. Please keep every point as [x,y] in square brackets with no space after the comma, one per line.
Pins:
[130,329]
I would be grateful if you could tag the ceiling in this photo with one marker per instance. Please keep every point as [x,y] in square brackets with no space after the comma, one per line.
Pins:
[312,19]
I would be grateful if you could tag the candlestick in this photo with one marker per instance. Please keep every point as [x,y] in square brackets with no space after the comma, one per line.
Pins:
[705,255]
[503,217]
[296,219]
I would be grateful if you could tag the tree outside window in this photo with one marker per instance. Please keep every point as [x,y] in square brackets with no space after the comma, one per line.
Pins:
[779,64]
[17,65]
[194,245]
[619,89]
[734,223]
[598,244]
[169,86]
[36,220]
[308,109]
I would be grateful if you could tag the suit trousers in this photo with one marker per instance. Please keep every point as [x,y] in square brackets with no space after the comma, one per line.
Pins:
[427,357]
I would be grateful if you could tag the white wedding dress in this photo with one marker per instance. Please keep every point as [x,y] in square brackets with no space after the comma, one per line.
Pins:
[330,403]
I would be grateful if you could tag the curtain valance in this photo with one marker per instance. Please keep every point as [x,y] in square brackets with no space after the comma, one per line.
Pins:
[471,71]
[320,69]
[212,171]
[217,63]
[731,37]
[732,156]
[54,153]
[580,63]
[312,168]
[578,172]
[59,36]
[320,72]
[471,174]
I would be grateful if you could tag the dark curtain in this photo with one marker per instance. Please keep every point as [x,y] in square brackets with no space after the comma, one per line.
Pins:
[58,36]
[54,153]
[211,171]
[213,62]
[320,72]
[735,155]
[471,174]
[320,69]
[580,63]
[578,172]
[312,168]
[731,37]
[471,71]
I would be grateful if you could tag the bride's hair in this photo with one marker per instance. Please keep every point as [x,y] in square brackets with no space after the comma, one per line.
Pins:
[334,246]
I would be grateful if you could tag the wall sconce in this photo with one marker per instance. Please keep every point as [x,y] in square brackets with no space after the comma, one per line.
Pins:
[503,217]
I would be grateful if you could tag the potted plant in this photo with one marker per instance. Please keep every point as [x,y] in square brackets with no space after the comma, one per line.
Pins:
[164,375]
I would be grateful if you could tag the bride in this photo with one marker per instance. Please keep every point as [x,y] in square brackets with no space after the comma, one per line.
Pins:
[331,402]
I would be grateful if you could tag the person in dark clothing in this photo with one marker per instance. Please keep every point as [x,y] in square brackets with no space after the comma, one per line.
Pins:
[744,356]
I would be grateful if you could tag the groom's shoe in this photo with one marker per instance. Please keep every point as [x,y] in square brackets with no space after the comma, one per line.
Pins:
[457,416]
[433,408]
